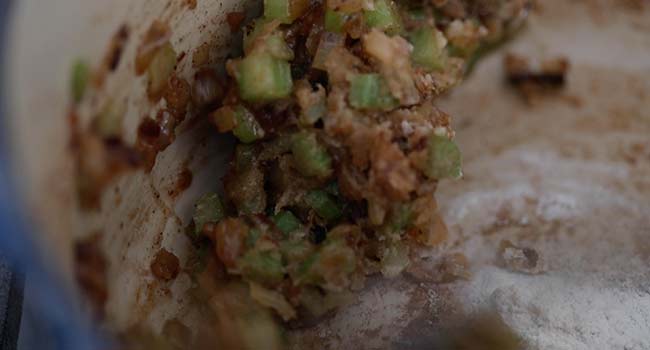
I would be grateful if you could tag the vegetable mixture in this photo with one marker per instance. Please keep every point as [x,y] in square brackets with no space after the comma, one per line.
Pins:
[340,146]
[339,151]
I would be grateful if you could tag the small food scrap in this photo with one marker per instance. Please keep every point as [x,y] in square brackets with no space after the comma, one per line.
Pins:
[90,271]
[165,265]
[201,56]
[519,259]
[534,80]
[116,47]
[156,37]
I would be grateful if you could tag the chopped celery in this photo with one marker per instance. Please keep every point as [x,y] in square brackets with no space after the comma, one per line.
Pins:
[262,77]
[285,11]
[79,80]
[247,129]
[384,16]
[277,9]
[208,209]
[240,121]
[324,205]
[277,47]
[443,158]
[286,222]
[334,21]
[160,69]
[428,48]
[310,157]
[262,266]
[368,91]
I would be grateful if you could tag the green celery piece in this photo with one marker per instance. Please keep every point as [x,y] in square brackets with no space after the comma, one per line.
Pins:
[286,222]
[264,267]
[286,11]
[79,79]
[277,47]
[368,91]
[384,16]
[207,209]
[277,9]
[334,21]
[262,77]
[310,157]
[248,129]
[324,205]
[443,158]
[427,51]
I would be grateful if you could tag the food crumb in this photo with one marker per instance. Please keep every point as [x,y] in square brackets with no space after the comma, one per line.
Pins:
[535,79]
[165,265]
[201,56]
[519,259]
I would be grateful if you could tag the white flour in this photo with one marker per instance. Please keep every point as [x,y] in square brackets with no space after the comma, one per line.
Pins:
[596,291]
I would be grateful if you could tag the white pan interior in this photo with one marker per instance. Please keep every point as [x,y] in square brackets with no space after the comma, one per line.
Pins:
[569,176]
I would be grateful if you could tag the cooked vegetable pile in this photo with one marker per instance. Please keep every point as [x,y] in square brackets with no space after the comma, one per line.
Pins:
[340,147]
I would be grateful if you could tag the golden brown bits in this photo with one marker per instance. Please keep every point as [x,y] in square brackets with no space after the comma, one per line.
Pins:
[201,56]
[177,96]
[229,235]
[183,182]
[165,265]
[157,36]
